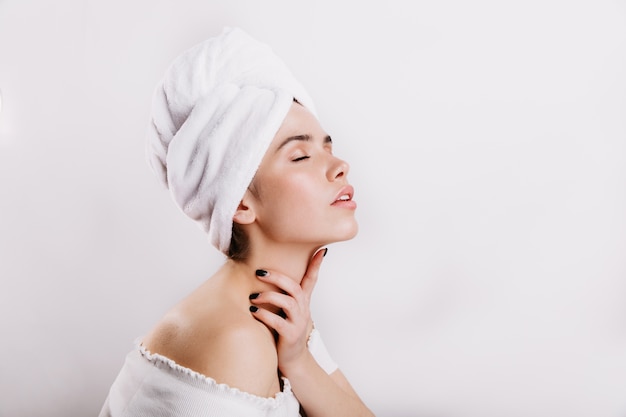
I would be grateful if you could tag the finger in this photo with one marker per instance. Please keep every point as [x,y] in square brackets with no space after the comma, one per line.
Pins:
[282,301]
[283,282]
[271,320]
[312,271]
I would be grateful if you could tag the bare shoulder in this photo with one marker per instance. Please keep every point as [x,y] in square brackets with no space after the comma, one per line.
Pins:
[243,355]
[225,344]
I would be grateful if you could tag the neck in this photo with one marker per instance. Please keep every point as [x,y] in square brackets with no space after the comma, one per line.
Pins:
[290,260]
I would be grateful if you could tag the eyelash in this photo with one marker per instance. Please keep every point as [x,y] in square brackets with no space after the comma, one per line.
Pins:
[300,158]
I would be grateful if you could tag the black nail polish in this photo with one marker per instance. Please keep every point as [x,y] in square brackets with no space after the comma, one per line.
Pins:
[325,251]
[253,296]
[254,309]
[261,272]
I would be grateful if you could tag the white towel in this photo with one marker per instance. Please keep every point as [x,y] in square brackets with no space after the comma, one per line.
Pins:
[214,114]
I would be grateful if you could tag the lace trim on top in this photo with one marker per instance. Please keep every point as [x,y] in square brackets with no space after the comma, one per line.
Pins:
[265,402]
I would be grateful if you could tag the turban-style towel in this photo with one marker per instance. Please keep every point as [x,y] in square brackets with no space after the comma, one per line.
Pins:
[214,114]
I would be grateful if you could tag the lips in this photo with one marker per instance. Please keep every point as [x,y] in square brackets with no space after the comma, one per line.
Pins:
[344,198]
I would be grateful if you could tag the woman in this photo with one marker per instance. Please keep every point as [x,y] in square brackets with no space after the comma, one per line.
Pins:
[235,139]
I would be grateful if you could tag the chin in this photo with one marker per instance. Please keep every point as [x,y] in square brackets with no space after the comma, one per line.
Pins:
[348,233]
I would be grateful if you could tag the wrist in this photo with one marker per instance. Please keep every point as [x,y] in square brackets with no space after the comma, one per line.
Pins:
[300,365]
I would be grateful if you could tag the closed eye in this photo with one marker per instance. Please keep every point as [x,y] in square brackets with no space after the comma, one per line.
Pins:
[301,158]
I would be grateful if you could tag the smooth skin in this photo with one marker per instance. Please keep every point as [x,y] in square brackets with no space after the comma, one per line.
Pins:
[289,213]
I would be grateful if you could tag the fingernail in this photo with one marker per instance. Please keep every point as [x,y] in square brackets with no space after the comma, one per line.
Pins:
[253,296]
[254,309]
[325,250]
[261,272]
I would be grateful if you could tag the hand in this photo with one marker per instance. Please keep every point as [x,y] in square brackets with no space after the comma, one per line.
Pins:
[295,325]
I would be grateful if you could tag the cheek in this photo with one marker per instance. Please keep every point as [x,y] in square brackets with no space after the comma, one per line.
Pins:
[288,199]
[286,186]
[296,192]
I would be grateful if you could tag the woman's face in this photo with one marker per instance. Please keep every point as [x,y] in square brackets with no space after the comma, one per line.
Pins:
[301,192]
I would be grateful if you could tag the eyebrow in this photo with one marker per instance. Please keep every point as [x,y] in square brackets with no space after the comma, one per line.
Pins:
[304,138]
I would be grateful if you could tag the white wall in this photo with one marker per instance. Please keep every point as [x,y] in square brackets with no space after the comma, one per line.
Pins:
[488,148]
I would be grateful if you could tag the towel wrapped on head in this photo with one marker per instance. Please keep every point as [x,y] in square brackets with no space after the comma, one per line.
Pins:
[214,114]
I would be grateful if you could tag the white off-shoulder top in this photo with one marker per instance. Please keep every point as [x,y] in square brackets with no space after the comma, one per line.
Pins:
[151,385]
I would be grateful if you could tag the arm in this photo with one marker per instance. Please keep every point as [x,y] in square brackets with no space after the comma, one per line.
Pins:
[319,393]
[324,395]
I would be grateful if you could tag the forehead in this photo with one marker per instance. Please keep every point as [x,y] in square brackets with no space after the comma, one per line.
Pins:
[299,121]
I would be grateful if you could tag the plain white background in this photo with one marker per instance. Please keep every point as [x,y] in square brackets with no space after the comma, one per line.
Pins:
[488,148]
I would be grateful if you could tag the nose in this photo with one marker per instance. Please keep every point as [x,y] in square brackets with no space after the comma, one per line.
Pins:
[338,169]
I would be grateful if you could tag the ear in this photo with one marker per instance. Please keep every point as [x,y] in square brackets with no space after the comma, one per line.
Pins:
[244,214]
